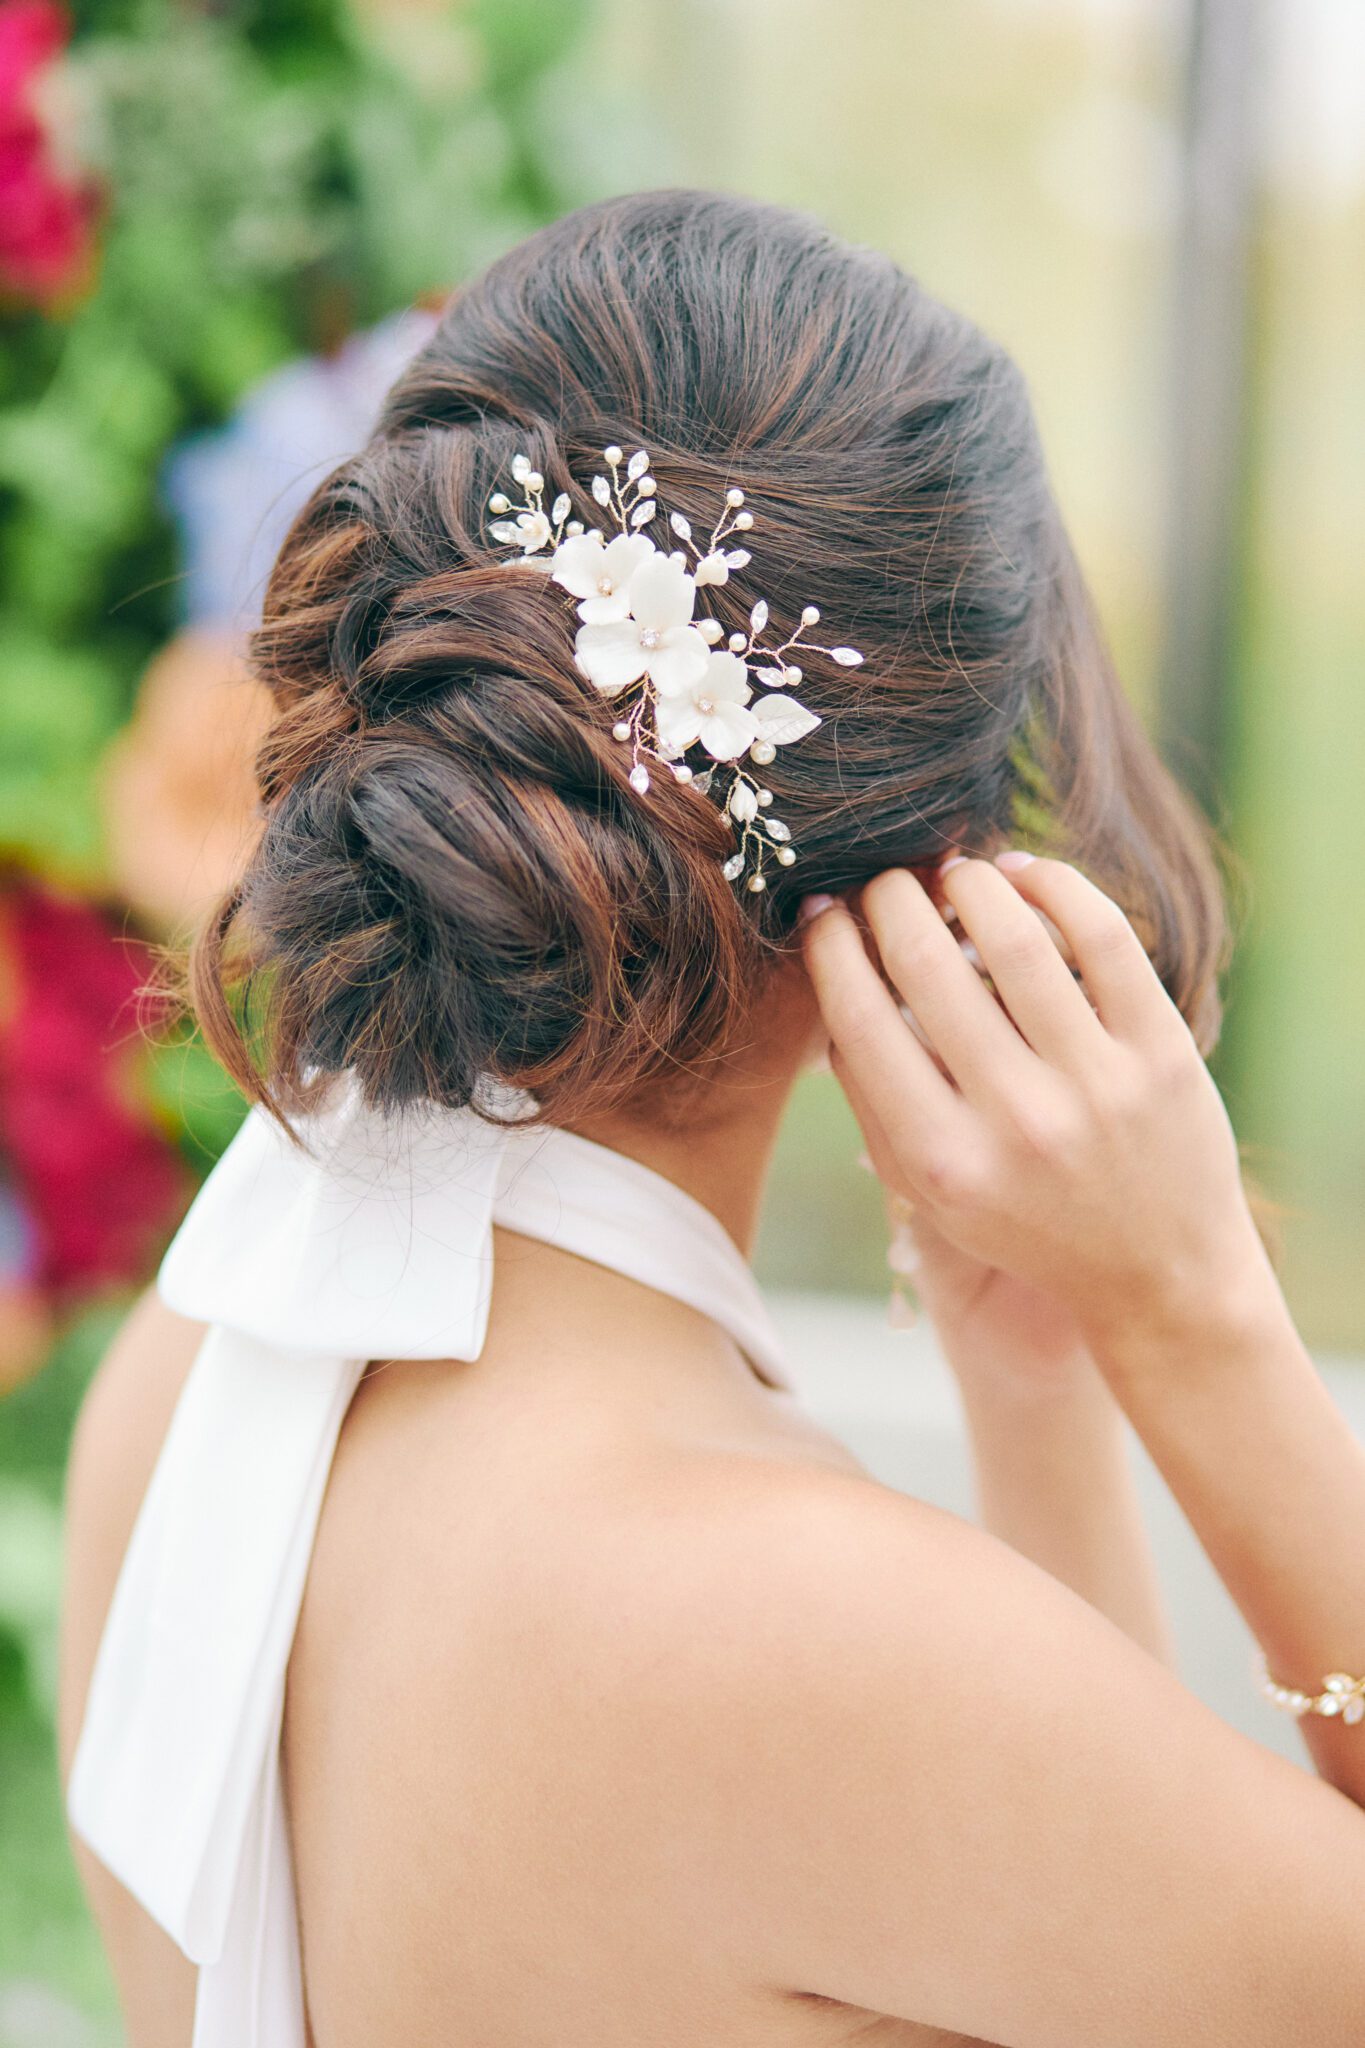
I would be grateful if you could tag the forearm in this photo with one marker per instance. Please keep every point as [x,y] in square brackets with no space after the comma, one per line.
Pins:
[1054,1480]
[1271,1479]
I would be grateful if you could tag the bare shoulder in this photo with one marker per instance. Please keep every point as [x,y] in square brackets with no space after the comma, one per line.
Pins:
[962,1796]
[118,1434]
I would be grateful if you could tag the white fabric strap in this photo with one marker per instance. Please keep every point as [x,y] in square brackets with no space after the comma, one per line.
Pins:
[376,1241]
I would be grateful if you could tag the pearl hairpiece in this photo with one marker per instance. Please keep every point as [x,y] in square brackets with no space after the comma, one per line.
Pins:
[639,645]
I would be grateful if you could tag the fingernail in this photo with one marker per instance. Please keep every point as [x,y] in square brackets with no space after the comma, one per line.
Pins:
[954,860]
[1013,857]
[811,906]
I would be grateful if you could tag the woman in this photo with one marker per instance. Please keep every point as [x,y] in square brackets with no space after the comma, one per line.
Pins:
[622,1705]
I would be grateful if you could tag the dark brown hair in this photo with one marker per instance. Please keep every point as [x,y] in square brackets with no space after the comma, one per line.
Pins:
[454,878]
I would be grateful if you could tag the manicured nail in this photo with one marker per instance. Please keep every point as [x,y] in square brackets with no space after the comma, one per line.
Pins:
[954,860]
[1013,857]
[811,906]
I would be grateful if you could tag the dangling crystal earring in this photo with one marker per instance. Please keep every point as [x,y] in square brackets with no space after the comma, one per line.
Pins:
[902,1257]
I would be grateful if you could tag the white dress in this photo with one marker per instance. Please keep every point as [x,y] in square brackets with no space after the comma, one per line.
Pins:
[374,1242]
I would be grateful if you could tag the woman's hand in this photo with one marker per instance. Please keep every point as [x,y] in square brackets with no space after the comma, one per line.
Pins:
[1069,1137]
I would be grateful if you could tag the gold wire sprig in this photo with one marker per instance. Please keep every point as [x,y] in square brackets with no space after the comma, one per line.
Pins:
[631,500]
[530,527]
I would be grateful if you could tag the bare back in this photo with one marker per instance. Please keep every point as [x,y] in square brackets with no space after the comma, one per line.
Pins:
[480,1827]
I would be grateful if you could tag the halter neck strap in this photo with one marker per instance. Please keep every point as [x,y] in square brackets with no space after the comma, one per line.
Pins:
[370,1238]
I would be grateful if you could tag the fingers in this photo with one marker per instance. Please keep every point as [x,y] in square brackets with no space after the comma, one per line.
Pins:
[965,1025]
[895,1080]
[1019,953]
[1121,980]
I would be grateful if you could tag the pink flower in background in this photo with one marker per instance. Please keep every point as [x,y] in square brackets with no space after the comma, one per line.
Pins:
[99,1184]
[45,214]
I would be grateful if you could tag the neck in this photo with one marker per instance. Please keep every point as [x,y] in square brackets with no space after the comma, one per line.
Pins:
[721,1154]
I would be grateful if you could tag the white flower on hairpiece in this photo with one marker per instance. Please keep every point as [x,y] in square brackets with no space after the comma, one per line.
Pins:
[711,710]
[656,638]
[638,637]
[598,571]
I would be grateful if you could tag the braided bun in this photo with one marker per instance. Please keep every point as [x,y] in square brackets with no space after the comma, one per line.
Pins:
[455,882]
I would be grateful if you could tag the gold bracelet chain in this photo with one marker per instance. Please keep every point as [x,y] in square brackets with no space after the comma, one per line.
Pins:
[1341,1696]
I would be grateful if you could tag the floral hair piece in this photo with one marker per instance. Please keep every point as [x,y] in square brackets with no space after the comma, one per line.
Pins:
[638,643]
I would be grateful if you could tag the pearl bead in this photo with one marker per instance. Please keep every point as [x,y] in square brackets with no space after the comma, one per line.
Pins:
[682,773]
[763,751]
[535,482]
[734,497]
[765,797]
[499,502]
[646,487]
[737,643]
[611,455]
[792,675]
[649,638]
[621,730]
[786,855]
[811,615]
[743,521]
[757,884]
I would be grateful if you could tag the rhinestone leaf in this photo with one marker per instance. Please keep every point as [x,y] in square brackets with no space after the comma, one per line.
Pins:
[734,867]
[847,657]
[504,530]
[758,617]
[521,467]
[682,527]
[743,803]
[644,511]
[703,781]
[773,677]
[778,831]
[1329,1704]
[639,779]
[638,464]
[1354,1710]
[783,720]
[738,558]
[1339,1681]
[561,507]
[601,490]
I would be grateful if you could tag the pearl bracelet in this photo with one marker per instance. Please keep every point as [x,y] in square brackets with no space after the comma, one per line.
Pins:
[1341,1695]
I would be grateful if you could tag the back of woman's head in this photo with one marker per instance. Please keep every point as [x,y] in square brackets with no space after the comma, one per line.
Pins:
[455,880]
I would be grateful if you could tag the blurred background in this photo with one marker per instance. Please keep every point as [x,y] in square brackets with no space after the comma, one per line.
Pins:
[223,225]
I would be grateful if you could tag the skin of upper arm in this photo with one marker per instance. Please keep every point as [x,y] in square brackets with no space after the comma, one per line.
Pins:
[937,1785]
[119,1432]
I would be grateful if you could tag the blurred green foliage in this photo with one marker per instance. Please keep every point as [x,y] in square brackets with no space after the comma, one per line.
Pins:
[276,175]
